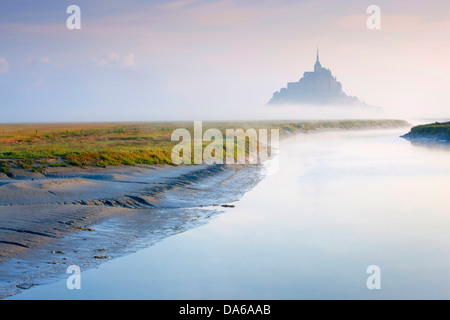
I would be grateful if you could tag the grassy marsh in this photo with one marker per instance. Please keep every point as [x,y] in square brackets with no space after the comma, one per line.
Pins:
[38,146]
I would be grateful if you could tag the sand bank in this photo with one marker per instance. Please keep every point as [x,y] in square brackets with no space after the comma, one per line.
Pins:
[37,210]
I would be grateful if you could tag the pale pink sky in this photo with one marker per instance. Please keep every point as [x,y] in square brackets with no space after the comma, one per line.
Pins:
[224,59]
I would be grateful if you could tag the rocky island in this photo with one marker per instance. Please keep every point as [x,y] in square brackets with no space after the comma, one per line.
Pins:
[318,87]
[434,132]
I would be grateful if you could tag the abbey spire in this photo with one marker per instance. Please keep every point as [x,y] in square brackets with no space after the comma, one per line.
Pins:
[317,65]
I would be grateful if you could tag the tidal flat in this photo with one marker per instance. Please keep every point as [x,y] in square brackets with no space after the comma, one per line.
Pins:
[88,213]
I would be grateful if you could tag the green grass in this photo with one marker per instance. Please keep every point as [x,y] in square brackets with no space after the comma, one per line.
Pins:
[432,129]
[36,146]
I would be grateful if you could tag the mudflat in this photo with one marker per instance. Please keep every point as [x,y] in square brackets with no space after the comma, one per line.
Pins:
[38,210]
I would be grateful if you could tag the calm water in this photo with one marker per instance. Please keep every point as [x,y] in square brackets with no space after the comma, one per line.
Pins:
[338,203]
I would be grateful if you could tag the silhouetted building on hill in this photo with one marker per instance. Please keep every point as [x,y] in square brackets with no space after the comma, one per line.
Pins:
[317,87]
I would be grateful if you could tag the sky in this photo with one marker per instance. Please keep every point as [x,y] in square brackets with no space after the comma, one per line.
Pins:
[136,60]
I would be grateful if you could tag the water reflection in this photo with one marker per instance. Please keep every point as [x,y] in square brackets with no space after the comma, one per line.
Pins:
[338,204]
[441,145]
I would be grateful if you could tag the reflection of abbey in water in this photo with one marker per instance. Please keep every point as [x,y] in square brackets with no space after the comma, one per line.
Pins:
[318,87]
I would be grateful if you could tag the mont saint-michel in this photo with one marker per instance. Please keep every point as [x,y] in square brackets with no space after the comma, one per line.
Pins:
[317,87]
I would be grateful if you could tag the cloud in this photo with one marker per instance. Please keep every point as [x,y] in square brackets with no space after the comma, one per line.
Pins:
[128,60]
[45,60]
[177,4]
[3,65]
[109,58]
[42,61]
[113,59]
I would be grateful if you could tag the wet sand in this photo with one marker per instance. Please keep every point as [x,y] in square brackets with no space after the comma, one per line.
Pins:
[44,218]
